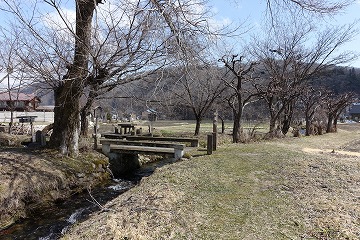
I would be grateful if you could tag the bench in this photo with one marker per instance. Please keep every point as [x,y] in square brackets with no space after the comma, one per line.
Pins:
[193,141]
[113,136]
[114,145]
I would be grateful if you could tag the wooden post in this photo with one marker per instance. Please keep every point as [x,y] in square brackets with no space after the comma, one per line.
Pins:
[209,144]
[139,131]
[214,135]
[215,132]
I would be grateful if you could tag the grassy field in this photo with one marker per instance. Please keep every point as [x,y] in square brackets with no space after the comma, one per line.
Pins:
[187,126]
[289,188]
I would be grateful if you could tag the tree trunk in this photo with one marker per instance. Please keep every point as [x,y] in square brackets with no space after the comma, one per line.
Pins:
[289,112]
[197,126]
[65,134]
[335,124]
[285,125]
[222,124]
[307,126]
[329,123]
[67,95]
[237,127]
[274,115]
[272,125]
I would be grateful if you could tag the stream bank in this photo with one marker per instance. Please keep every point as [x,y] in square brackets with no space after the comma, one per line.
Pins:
[52,220]
[33,178]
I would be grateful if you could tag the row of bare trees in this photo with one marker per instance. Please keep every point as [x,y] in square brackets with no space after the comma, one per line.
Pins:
[282,71]
[237,87]
[82,54]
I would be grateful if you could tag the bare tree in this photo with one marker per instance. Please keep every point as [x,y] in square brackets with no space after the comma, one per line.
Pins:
[312,100]
[335,104]
[289,63]
[238,80]
[14,78]
[315,7]
[197,88]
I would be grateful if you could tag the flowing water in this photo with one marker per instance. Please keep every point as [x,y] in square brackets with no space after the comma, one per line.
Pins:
[52,222]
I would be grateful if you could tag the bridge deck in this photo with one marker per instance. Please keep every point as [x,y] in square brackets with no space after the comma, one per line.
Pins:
[115,145]
[142,143]
[141,149]
[193,141]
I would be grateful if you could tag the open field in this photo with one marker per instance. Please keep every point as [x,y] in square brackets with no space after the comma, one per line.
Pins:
[289,188]
[186,128]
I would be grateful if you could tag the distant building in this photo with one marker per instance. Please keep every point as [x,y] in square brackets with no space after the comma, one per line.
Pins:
[18,101]
[354,111]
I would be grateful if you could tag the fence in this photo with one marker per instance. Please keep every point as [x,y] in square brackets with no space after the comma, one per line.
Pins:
[47,117]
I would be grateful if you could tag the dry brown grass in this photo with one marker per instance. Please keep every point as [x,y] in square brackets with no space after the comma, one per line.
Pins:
[31,177]
[267,190]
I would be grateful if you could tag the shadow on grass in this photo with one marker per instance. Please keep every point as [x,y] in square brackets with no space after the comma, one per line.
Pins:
[200,152]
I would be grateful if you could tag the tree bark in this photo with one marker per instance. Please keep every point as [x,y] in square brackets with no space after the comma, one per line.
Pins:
[67,95]
[222,124]
[197,126]
[272,126]
[329,123]
[335,124]
[66,119]
[307,126]
[237,126]
[288,115]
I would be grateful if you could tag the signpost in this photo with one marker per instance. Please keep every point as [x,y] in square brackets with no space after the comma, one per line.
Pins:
[28,119]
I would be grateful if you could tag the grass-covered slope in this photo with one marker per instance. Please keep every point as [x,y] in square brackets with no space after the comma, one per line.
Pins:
[291,188]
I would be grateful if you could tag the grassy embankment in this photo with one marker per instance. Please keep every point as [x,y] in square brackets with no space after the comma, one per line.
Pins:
[32,177]
[291,188]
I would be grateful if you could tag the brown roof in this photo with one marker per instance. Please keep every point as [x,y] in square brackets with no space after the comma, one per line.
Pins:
[4,96]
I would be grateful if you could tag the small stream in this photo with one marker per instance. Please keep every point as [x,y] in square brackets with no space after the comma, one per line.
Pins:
[52,222]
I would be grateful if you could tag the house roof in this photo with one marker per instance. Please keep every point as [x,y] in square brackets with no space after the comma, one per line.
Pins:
[354,108]
[4,96]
